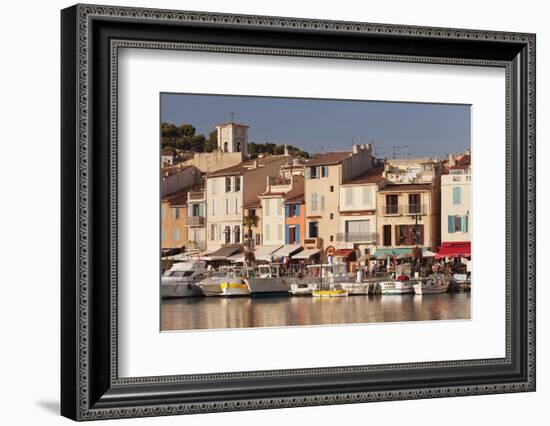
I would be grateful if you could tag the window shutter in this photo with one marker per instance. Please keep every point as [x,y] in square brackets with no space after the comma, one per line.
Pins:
[297,209]
[322,202]
[450,223]
[287,235]
[465,223]
[297,233]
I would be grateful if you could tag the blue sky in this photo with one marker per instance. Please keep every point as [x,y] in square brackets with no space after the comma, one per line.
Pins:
[318,125]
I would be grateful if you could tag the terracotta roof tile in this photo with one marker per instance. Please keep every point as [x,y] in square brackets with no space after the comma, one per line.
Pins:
[245,166]
[373,175]
[328,158]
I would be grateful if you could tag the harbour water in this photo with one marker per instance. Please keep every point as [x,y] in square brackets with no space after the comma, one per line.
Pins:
[276,311]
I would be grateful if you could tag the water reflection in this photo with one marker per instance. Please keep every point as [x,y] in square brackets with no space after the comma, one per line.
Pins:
[217,312]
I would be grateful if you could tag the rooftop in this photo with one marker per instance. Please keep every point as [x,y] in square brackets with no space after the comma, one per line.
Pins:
[239,169]
[178,198]
[231,124]
[373,175]
[328,158]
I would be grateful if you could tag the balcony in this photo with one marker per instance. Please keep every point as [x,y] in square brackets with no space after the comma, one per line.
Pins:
[195,221]
[415,209]
[357,237]
[392,210]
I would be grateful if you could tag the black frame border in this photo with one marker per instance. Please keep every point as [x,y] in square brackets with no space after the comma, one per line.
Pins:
[91,388]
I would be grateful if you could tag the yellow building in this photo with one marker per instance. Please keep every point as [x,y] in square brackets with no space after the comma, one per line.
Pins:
[174,233]
[324,175]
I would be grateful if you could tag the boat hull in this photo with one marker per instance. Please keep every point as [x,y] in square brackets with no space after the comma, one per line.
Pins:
[234,289]
[430,289]
[268,285]
[176,290]
[396,288]
[330,293]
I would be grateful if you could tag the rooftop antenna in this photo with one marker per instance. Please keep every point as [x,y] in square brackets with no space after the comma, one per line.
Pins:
[232,117]
[399,149]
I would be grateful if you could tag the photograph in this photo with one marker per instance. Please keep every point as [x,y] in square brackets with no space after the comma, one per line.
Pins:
[285,212]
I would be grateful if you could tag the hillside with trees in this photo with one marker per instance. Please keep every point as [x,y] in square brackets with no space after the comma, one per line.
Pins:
[185,138]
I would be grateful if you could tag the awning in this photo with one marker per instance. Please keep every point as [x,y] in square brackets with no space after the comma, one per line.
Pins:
[226,251]
[428,253]
[287,250]
[306,254]
[236,258]
[265,252]
[396,251]
[461,248]
[344,252]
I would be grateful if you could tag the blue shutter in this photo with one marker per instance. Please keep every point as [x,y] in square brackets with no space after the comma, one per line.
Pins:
[287,211]
[459,195]
[201,210]
[297,234]
[287,234]
[297,210]
[450,227]
[465,223]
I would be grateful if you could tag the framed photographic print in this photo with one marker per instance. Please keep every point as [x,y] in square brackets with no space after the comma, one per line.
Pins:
[263,212]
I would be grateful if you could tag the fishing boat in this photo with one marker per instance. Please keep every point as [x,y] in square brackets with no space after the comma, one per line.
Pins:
[182,279]
[301,289]
[327,279]
[267,279]
[434,284]
[401,285]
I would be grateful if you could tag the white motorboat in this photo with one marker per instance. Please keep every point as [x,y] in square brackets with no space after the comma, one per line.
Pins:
[402,285]
[210,286]
[434,284]
[182,279]
[301,289]
[460,282]
[234,283]
[267,279]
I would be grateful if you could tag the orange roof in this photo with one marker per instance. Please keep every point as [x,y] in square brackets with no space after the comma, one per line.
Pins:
[373,175]
[245,166]
[328,158]
[178,198]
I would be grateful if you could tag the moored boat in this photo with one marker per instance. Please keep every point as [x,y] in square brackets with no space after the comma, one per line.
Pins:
[402,285]
[182,279]
[234,284]
[267,279]
[434,284]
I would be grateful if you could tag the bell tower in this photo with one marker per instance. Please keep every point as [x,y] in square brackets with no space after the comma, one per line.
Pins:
[233,137]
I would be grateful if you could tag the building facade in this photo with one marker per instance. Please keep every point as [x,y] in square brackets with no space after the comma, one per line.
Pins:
[408,206]
[174,233]
[196,218]
[358,201]
[324,175]
[228,190]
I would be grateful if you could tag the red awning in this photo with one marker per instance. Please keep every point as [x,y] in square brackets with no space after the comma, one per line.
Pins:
[461,248]
[343,252]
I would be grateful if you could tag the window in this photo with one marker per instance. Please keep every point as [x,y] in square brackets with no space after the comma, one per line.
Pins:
[176,213]
[251,212]
[163,211]
[357,226]
[457,195]
[387,235]
[237,182]
[324,171]
[414,204]
[332,238]
[348,196]
[331,188]
[367,199]
[237,234]
[291,210]
[176,234]
[267,207]
[322,202]
[391,204]
[279,207]
[332,216]
[313,172]
[227,184]
[313,229]
[214,186]
[227,206]
[227,234]
[314,202]
[236,205]
[457,224]
[408,235]
[279,232]
[267,232]
[212,232]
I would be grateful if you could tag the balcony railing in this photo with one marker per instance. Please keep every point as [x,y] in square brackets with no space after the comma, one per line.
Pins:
[357,237]
[392,210]
[415,209]
[195,221]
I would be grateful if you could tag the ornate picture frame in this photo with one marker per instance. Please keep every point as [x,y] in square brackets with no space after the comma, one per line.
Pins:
[91,386]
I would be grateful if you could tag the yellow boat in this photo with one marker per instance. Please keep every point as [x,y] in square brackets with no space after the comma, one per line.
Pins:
[232,288]
[330,293]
